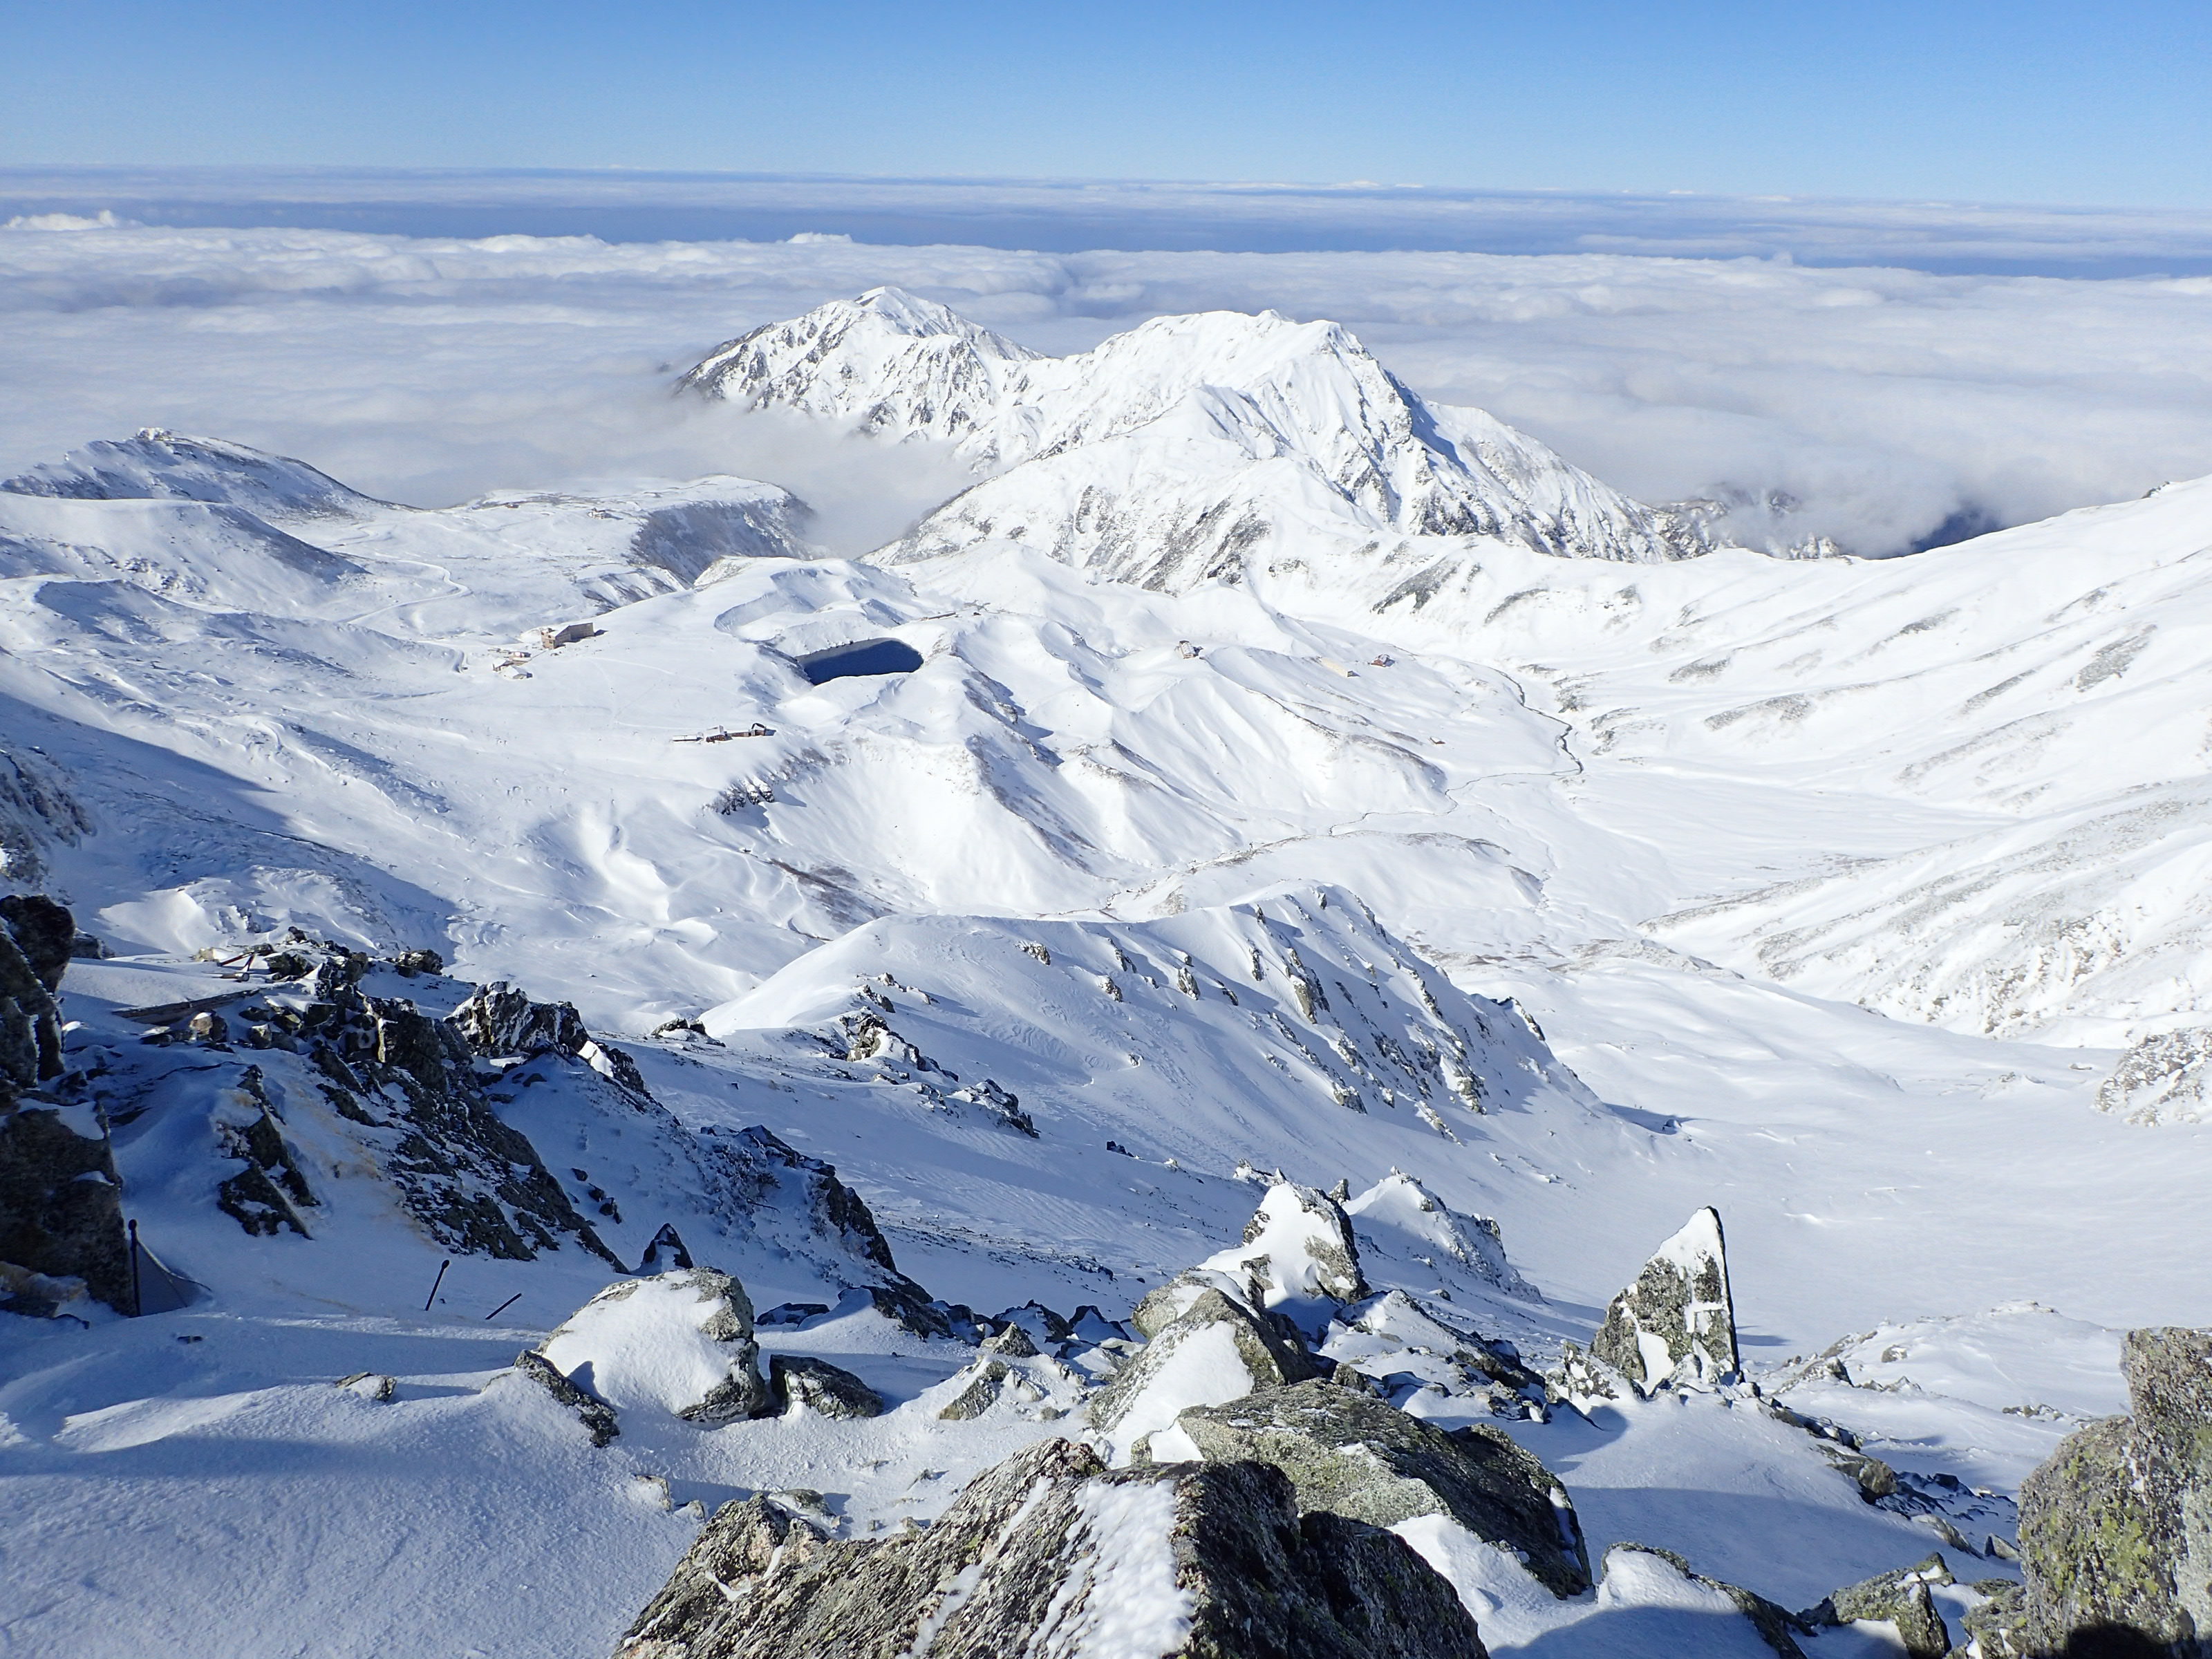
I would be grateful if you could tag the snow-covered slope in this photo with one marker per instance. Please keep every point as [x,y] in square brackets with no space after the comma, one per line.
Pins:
[1190,449]
[1534,907]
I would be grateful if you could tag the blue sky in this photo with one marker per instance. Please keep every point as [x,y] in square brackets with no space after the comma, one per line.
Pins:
[1949,99]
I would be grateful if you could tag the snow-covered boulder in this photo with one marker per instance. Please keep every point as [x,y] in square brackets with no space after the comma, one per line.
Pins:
[1215,1349]
[1297,1255]
[1901,1598]
[1400,1218]
[678,1342]
[1397,1344]
[1051,1552]
[1676,1324]
[1354,1455]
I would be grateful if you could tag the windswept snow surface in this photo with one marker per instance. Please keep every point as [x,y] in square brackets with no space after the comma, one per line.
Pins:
[1542,900]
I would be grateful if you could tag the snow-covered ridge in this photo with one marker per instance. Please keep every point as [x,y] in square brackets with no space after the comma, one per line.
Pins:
[1187,449]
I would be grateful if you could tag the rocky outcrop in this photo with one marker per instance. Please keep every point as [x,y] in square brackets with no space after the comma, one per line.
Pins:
[825,1389]
[1298,1257]
[1675,1326]
[1900,1598]
[2116,1528]
[61,1210]
[498,1019]
[2161,1079]
[1051,1552]
[596,1415]
[678,1342]
[409,1083]
[1357,1456]
[35,949]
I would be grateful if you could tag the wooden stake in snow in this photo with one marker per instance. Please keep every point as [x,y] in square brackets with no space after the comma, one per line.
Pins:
[434,1283]
[503,1306]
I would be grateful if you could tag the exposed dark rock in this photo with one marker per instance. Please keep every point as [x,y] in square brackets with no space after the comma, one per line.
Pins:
[1012,1340]
[1676,1324]
[666,1243]
[1901,1598]
[371,1385]
[1355,1456]
[265,1196]
[2116,1528]
[821,1387]
[44,931]
[61,1211]
[408,963]
[2161,1079]
[31,965]
[792,1313]
[596,1415]
[1997,1628]
[988,1381]
[1047,1547]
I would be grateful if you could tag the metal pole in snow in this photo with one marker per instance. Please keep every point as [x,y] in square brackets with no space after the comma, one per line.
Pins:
[137,1296]
[504,1306]
[434,1283]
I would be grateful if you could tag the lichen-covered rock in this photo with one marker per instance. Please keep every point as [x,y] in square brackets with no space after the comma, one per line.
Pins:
[1997,1627]
[2116,1527]
[1900,1598]
[680,1342]
[1050,1554]
[826,1389]
[987,1382]
[1358,1456]
[1216,1350]
[1676,1325]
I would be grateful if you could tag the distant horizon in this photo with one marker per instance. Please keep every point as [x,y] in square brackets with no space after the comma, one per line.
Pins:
[1047,214]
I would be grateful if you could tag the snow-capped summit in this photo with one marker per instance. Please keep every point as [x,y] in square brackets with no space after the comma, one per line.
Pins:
[1187,448]
[159,466]
[895,363]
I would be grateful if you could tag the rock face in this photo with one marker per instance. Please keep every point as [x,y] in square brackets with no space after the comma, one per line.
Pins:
[2115,1529]
[1052,1553]
[681,1342]
[35,949]
[1676,1324]
[1355,1457]
[61,1214]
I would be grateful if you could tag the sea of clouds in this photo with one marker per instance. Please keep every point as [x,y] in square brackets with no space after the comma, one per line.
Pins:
[1897,405]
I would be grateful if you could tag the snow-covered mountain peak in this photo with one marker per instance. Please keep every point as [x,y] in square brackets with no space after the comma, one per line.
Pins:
[898,365]
[1216,446]
[159,466]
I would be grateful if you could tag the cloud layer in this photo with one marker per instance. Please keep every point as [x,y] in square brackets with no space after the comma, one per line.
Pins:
[1070,216]
[1889,402]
